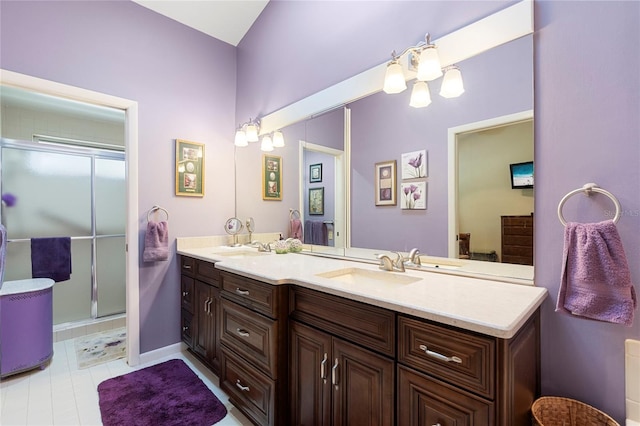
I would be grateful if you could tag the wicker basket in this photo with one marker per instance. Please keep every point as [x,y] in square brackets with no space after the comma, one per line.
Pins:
[558,411]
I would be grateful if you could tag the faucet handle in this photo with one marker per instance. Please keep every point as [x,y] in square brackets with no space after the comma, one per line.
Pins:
[385,262]
[398,264]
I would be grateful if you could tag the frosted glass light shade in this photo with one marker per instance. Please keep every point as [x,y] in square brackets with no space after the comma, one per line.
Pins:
[278,139]
[452,85]
[252,132]
[241,138]
[267,144]
[420,95]
[429,67]
[394,81]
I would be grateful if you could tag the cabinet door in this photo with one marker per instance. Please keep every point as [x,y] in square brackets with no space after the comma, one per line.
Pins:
[310,376]
[363,386]
[423,400]
[202,336]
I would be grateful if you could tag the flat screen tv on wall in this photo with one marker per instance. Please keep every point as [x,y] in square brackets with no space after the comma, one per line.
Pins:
[521,175]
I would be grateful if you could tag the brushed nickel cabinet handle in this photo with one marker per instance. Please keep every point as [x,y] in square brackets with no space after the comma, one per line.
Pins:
[185,328]
[242,292]
[323,369]
[242,333]
[185,293]
[186,266]
[334,374]
[441,357]
[242,388]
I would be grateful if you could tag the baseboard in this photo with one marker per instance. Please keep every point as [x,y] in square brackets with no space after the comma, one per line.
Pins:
[160,353]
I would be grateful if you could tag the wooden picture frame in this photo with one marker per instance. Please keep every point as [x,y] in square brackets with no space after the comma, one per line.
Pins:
[316,201]
[315,173]
[385,183]
[189,168]
[271,177]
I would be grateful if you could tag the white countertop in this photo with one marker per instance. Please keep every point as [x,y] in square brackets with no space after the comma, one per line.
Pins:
[486,306]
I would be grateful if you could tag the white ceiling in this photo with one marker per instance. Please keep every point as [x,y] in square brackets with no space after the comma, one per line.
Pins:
[226,20]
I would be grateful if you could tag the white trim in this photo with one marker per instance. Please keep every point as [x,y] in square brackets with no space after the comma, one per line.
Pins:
[161,353]
[502,27]
[452,155]
[14,79]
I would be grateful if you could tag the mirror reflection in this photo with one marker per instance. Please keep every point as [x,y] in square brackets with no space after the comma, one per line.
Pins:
[465,199]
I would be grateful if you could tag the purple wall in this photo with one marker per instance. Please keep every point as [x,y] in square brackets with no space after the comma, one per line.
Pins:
[184,83]
[384,126]
[586,129]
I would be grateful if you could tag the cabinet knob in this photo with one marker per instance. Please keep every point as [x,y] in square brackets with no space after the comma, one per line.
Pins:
[242,388]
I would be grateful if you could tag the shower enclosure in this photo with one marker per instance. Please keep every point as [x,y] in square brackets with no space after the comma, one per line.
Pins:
[69,188]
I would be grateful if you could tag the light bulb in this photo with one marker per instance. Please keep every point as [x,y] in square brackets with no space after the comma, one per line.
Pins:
[278,139]
[394,81]
[429,66]
[241,138]
[452,85]
[252,132]
[266,144]
[420,95]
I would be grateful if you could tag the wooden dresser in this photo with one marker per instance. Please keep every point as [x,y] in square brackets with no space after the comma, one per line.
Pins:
[517,239]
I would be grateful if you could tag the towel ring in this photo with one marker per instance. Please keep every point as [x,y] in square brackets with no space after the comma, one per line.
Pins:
[293,213]
[155,209]
[588,189]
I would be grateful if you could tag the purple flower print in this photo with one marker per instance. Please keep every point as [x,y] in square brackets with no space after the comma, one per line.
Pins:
[416,163]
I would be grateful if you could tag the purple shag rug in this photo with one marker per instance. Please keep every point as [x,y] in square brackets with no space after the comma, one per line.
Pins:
[165,394]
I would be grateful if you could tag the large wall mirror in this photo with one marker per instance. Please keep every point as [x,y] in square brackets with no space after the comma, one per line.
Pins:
[469,144]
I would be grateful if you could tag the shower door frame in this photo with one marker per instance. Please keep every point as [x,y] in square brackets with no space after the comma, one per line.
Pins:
[130,108]
[64,146]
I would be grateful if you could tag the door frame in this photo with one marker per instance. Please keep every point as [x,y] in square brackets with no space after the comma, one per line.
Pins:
[130,108]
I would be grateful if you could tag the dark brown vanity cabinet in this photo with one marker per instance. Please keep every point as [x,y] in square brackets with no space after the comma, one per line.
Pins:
[449,376]
[253,334]
[336,379]
[200,300]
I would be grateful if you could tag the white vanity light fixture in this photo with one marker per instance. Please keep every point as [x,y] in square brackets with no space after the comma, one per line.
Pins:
[241,138]
[420,95]
[267,144]
[278,139]
[429,67]
[394,81]
[452,85]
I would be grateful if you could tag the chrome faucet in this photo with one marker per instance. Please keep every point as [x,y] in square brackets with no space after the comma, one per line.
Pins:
[261,246]
[387,264]
[414,257]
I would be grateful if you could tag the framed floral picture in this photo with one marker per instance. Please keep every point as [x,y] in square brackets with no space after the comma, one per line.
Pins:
[414,196]
[385,183]
[315,173]
[271,177]
[414,165]
[189,168]
[316,201]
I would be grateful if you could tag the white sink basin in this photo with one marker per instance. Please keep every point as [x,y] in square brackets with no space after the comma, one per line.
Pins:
[364,276]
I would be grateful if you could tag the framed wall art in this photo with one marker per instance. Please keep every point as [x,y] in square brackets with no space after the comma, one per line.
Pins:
[315,173]
[414,165]
[271,177]
[316,201]
[385,183]
[414,196]
[189,168]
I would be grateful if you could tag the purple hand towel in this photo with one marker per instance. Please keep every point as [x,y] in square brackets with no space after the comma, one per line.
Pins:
[156,242]
[295,229]
[51,258]
[596,281]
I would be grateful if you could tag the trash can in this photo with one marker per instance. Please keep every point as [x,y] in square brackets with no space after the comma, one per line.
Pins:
[558,411]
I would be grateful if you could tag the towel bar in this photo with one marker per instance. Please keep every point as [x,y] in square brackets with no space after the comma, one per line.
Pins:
[588,189]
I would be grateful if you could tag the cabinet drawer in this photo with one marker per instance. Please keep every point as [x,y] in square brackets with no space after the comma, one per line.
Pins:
[206,271]
[253,294]
[251,335]
[187,287]
[473,367]
[423,400]
[344,318]
[187,265]
[248,389]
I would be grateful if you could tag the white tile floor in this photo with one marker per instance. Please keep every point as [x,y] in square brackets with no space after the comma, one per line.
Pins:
[61,394]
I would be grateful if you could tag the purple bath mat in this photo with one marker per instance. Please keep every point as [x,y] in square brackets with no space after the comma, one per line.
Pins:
[165,394]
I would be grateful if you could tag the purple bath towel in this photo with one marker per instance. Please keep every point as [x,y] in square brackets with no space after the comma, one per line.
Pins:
[51,258]
[156,242]
[596,281]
